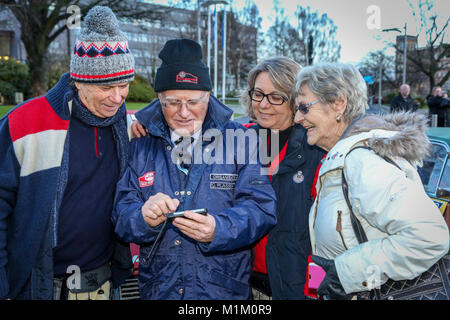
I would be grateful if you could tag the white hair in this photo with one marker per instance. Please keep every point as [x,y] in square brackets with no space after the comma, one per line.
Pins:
[332,81]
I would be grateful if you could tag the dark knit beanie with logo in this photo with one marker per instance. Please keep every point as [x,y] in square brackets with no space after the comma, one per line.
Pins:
[101,54]
[182,67]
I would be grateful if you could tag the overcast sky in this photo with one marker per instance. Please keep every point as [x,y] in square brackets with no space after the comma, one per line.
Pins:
[356,20]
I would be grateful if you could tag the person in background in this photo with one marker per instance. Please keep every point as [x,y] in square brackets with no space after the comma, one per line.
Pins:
[403,101]
[281,257]
[406,231]
[438,105]
[195,256]
[62,155]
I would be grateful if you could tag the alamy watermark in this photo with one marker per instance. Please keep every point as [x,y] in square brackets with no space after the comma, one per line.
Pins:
[237,146]
[74,280]
[74,20]
[374,19]
[374,277]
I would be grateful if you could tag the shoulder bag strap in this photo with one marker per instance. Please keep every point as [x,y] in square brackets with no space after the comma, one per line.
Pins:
[356,225]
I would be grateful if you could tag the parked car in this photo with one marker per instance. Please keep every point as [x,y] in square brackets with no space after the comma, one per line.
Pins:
[435,172]
[129,290]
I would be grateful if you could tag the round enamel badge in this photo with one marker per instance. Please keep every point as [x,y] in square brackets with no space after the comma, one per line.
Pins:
[298,177]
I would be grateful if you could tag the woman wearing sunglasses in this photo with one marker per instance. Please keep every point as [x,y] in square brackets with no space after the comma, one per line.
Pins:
[398,232]
[281,257]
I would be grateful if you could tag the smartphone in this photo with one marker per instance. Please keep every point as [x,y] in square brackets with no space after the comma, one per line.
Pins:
[203,211]
[315,275]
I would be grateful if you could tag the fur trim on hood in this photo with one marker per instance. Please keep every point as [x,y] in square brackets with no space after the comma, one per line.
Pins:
[411,142]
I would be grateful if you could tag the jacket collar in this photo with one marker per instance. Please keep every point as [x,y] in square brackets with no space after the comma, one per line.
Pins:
[399,134]
[336,156]
[60,95]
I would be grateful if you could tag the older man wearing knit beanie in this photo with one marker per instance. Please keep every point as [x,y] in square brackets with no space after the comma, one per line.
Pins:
[193,254]
[62,156]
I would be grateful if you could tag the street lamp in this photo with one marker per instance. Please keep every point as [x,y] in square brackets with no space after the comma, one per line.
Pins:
[404,49]
[380,83]
[208,4]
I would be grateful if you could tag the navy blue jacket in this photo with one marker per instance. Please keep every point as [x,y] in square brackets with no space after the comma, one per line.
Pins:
[288,245]
[32,144]
[241,200]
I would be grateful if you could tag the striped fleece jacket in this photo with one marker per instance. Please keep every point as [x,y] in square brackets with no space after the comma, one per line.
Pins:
[32,140]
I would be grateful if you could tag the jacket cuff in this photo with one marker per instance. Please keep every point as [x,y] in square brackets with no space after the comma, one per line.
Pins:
[354,274]
[143,229]
[4,285]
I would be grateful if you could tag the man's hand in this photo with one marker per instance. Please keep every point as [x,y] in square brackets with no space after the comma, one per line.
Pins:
[156,207]
[196,226]
[138,129]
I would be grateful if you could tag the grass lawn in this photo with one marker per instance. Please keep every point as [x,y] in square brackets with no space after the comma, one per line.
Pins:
[130,106]
[4,110]
[136,105]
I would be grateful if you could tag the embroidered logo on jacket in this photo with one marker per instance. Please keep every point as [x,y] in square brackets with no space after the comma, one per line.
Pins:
[222,181]
[183,76]
[147,179]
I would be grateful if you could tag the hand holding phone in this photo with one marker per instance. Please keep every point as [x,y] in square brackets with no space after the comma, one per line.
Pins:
[170,215]
[196,224]
[315,275]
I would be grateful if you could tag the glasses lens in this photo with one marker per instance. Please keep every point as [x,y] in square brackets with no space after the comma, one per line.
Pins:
[171,103]
[303,108]
[256,95]
[192,104]
[275,99]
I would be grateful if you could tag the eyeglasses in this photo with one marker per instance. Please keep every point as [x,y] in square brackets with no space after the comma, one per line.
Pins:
[273,98]
[191,104]
[304,107]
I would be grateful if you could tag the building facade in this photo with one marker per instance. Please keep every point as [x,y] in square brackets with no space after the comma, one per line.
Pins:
[418,81]
[146,37]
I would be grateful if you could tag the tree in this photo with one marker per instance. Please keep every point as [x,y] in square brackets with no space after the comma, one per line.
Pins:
[317,34]
[370,66]
[42,21]
[282,39]
[13,78]
[434,56]
[242,40]
[314,38]
[140,90]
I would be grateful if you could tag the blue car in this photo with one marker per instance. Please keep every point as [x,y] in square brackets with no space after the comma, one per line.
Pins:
[435,172]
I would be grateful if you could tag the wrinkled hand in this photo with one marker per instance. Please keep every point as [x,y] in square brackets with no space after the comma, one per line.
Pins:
[156,207]
[196,226]
[138,129]
[331,287]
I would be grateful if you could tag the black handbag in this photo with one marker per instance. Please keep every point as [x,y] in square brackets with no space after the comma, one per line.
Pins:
[433,284]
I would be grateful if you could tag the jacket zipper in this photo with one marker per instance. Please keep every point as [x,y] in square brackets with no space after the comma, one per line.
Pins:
[339,228]
[315,210]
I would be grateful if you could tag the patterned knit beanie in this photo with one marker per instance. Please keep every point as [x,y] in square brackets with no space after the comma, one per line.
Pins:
[182,67]
[101,54]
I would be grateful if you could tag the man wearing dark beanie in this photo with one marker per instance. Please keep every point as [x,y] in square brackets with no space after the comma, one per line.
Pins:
[62,155]
[188,161]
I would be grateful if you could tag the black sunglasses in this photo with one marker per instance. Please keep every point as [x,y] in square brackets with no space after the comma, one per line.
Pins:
[304,107]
